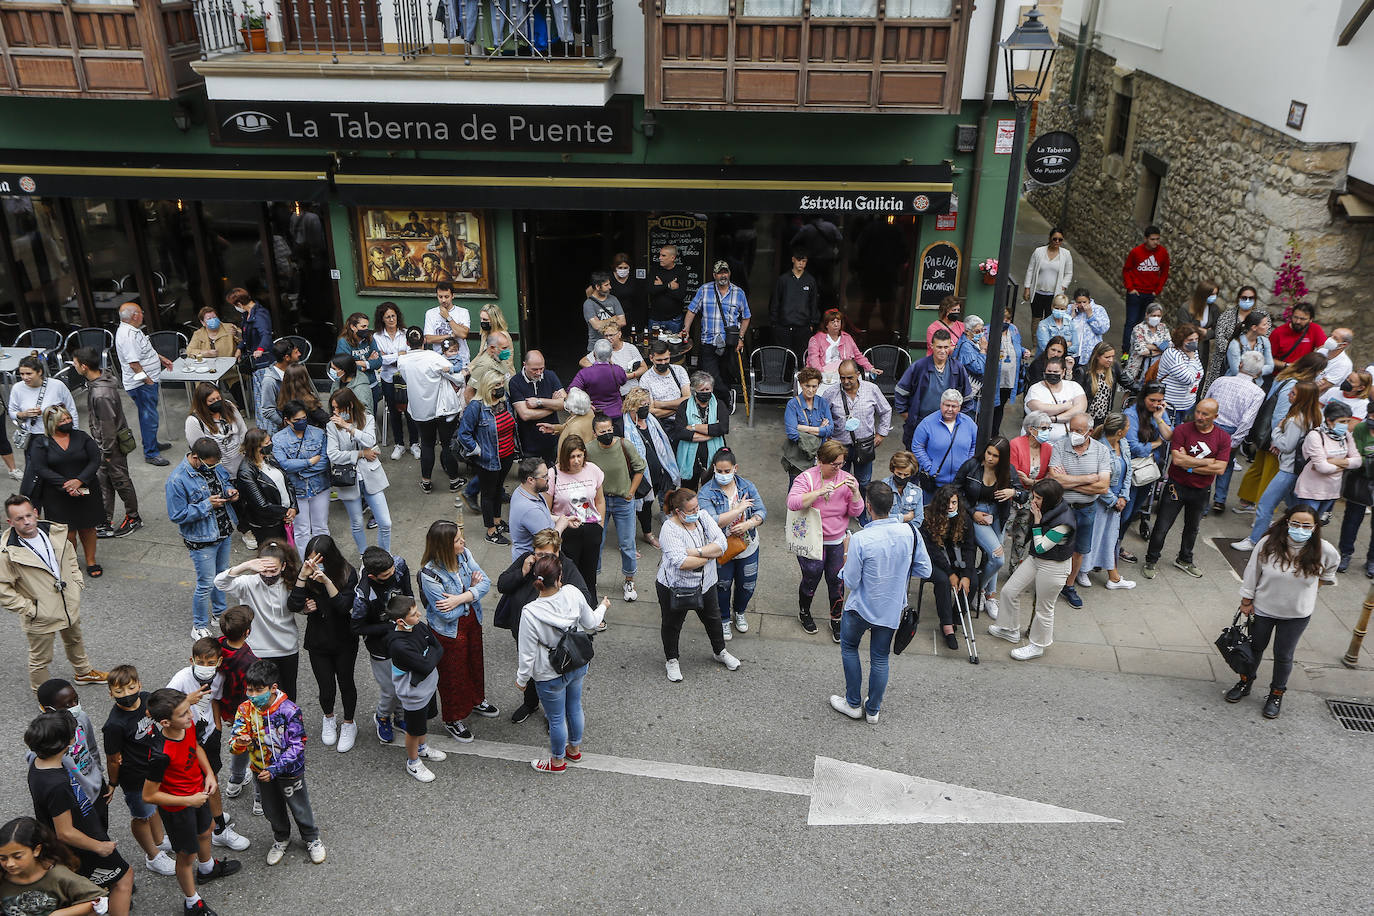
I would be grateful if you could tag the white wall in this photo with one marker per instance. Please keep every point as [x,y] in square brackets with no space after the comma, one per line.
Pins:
[980,33]
[1253,57]
[627,31]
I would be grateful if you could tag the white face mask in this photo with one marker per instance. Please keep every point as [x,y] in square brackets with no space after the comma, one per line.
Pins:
[1153,321]
[622,272]
[1077,439]
[204,673]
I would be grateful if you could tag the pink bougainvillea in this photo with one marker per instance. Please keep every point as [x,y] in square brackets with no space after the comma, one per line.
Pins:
[1290,287]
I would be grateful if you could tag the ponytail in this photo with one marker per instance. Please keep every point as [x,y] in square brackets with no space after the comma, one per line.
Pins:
[547,571]
[678,497]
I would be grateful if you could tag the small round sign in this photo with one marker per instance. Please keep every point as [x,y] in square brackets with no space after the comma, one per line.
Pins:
[1052,156]
[27,184]
[920,203]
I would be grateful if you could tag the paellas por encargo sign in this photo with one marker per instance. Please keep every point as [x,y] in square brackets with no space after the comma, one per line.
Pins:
[366,125]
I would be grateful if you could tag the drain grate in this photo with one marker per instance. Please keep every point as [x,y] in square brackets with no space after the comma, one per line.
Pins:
[1354,715]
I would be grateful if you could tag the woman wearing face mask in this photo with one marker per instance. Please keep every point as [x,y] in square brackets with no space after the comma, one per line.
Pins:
[950,318]
[323,592]
[351,441]
[491,320]
[972,349]
[486,434]
[1287,442]
[267,503]
[29,400]
[1253,337]
[1267,424]
[60,478]
[1102,554]
[1049,273]
[1149,340]
[1030,451]
[1229,324]
[835,494]
[215,338]
[702,424]
[1058,324]
[1011,357]
[302,451]
[1330,451]
[949,539]
[986,485]
[343,373]
[1045,569]
[296,385]
[692,542]
[357,342]
[909,501]
[1279,593]
[1354,393]
[1148,432]
[575,486]
[1201,311]
[630,290]
[215,416]
[737,508]
[1180,369]
[1098,379]
[390,341]
[806,422]
[264,584]
[1055,348]
[644,432]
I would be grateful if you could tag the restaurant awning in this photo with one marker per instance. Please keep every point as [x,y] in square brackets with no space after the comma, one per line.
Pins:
[153,176]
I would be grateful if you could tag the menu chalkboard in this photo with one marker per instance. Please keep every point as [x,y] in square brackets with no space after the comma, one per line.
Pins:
[939,277]
[688,232]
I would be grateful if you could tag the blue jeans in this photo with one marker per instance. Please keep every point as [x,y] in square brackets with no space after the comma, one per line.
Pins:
[562,699]
[380,511]
[1136,303]
[863,473]
[1086,515]
[1279,489]
[1351,522]
[209,561]
[1223,484]
[852,628]
[1319,506]
[737,578]
[258,376]
[989,538]
[145,399]
[623,511]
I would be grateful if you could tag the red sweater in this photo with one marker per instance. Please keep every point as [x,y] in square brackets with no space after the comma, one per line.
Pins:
[1146,271]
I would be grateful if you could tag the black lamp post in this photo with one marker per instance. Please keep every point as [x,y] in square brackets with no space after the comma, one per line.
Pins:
[1028,51]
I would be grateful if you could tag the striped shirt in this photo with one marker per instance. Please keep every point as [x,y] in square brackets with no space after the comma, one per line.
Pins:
[1095,460]
[1181,373]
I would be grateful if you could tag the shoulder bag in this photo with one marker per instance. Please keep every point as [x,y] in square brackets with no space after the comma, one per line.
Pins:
[573,650]
[862,450]
[1236,647]
[22,435]
[735,544]
[688,597]
[1144,471]
[925,479]
[731,330]
[906,627]
[343,475]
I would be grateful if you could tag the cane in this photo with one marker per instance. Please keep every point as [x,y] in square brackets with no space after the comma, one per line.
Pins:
[743,383]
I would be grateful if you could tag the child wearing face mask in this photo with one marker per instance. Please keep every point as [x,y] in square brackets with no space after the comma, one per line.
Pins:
[264,584]
[1330,451]
[415,653]
[127,733]
[82,758]
[235,660]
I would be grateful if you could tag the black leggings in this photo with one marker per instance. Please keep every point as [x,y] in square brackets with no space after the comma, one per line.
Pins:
[441,428]
[336,668]
[709,612]
[646,517]
[288,669]
[582,545]
[5,447]
[397,418]
[1286,633]
[492,492]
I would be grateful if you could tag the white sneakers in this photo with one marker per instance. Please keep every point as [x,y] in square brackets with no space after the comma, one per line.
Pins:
[841,706]
[1083,580]
[415,450]
[250,540]
[741,623]
[161,864]
[418,769]
[1006,633]
[726,659]
[1120,583]
[432,753]
[16,474]
[232,789]
[1244,546]
[630,593]
[397,452]
[348,736]
[278,850]
[229,838]
[199,633]
[316,850]
[725,630]
[990,607]
[674,670]
[1027,652]
[329,731]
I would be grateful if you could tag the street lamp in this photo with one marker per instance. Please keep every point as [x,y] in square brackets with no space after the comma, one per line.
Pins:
[1026,54]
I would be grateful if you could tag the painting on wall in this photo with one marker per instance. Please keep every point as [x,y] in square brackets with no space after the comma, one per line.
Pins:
[408,251]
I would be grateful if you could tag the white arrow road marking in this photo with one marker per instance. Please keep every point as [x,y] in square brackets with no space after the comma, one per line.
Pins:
[840,792]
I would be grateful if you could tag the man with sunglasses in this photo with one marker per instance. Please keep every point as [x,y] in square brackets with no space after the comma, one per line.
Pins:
[200,501]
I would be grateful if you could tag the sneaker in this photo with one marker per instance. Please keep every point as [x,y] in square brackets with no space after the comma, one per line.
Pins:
[1244,546]
[163,446]
[433,753]
[1071,596]
[418,769]
[104,531]
[1149,571]
[161,864]
[316,850]
[329,731]
[1240,691]
[1218,507]
[199,633]
[465,500]
[94,676]
[522,712]
[222,868]
[835,629]
[1027,652]
[229,838]
[398,722]
[166,845]
[841,706]
[1120,583]
[1244,509]
[990,607]
[16,474]
[1006,633]
[1272,704]
[547,765]
[157,461]
[1344,564]
[385,733]
[1369,569]
[397,452]
[459,731]
[726,659]
[732,401]
[486,710]
[199,908]
[808,624]
[426,486]
[372,524]
[130,524]
[415,450]
[741,623]
[871,717]
[1125,556]
[348,736]
[1190,568]
[569,756]
[232,789]
[457,483]
[496,537]
[257,807]
[250,540]
[1083,580]
[504,527]
[630,593]
[725,630]
[674,670]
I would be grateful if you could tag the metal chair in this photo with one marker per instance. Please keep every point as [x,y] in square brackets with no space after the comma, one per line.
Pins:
[46,340]
[98,339]
[893,361]
[301,344]
[168,344]
[772,374]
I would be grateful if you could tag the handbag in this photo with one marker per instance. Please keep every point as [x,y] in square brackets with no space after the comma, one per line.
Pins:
[573,650]
[686,597]
[804,533]
[22,435]
[1144,471]
[928,481]
[906,627]
[734,546]
[343,475]
[125,442]
[1236,647]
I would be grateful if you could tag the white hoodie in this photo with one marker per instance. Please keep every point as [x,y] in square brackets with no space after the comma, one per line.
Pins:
[543,621]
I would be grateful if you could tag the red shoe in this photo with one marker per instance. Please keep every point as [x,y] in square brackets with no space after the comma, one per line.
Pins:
[548,766]
[570,756]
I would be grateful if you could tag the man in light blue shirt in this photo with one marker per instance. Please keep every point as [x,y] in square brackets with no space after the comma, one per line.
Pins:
[529,513]
[880,561]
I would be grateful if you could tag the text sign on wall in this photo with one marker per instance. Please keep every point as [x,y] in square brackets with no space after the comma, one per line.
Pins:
[939,276]
[688,232]
[1052,156]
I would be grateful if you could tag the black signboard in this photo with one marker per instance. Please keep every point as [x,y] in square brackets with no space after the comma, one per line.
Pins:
[688,232]
[1052,156]
[939,277]
[367,125]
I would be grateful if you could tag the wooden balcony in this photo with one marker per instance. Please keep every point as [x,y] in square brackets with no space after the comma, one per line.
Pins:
[842,61]
[136,50]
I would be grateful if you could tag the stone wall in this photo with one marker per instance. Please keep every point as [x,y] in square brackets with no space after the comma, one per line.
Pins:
[1234,192]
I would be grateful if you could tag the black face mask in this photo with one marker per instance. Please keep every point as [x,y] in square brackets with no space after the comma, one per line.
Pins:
[605,438]
[900,481]
[129,702]
[486,326]
[1053,378]
[66,427]
[217,407]
[267,449]
[1347,387]
[662,368]
[642,413]
[955,316]
[703,397]
[499,394]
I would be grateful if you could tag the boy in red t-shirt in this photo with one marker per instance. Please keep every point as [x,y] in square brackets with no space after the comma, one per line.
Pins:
[180,783]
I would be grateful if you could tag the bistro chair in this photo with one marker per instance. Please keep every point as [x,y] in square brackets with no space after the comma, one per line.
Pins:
[98,339]
[893,361]
[168,344]
[772,374]
[46,340]
[301,344]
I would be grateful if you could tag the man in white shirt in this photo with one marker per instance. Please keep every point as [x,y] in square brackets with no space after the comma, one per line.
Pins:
[624,355]
[1057,396]
[142,367]
[1338,364]
[448,320]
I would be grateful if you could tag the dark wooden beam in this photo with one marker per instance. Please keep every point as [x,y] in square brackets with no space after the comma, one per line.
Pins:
[1353,26]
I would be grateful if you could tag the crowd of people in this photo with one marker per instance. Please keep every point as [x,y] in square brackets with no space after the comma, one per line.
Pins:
[1109,438]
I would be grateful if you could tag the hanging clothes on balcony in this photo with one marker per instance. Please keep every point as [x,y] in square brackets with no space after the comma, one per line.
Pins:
[446,14]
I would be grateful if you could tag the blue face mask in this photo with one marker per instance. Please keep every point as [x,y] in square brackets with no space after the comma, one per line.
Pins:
[1190,345]
[504,354]
[1059,314]
[691,517]
[951,513]
[300,425]
[1338,431]
[261,700]
[1043,435]
[212,324]
[1299,535]
[725,478]
[1212,298]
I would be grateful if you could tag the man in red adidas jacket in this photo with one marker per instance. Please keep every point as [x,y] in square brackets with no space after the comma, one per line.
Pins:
[1144,274]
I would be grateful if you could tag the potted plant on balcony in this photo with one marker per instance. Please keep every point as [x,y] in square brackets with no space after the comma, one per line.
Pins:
[253,29]
[988,268]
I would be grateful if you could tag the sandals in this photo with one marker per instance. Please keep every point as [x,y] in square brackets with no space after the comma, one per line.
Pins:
[95,571]
[653,541]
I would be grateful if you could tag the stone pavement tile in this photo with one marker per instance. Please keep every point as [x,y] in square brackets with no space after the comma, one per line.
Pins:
[1173,627]
[640,613]
[1193,666]
[1080,626]
[1070,655]
[1333,679]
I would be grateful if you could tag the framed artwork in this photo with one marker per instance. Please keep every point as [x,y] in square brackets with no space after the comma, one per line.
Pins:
[409,250]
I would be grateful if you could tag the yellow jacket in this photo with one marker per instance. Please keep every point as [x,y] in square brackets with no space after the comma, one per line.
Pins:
[28,587]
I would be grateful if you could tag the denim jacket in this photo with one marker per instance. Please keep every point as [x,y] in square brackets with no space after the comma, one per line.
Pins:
[716,502]
[910,498]
[796,414]
[1120,485]
[294,457]
[188,502]
[477,435]
[435,582]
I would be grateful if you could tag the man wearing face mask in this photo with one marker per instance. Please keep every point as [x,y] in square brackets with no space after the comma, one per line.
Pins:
[623,468]
[1338,363]
[1200,451]
[796,307]
[200,497]
[666,384]
[1091,323]
[284,355]
[497,357]
[1330,452]
[1058,324]
[861,418]
[1057,396]
[724,311]
[536,394]
[1300,336]
[1083,467]
[105,409]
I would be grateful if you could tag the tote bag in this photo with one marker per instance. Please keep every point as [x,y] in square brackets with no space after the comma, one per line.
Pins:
[804,533]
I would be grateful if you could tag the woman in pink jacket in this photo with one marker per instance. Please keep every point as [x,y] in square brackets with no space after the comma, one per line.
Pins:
[1330,452]
[835,493]
[832,345]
